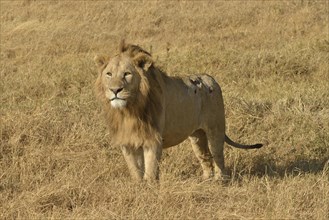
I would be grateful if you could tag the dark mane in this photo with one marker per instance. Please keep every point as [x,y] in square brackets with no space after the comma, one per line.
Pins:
[131,50]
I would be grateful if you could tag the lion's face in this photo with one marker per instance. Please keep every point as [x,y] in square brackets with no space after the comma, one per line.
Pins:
[120,81]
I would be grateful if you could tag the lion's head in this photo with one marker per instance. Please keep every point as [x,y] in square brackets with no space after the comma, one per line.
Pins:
[122,80]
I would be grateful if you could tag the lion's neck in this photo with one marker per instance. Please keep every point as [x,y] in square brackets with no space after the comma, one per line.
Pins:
[132,127]
[138,124]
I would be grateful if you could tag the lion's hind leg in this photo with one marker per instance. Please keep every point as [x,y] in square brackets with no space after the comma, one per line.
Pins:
[200,147]
[216,147]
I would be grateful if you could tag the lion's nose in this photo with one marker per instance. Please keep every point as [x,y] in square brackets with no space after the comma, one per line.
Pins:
[116,90]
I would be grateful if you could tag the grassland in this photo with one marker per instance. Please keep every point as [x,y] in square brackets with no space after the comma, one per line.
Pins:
[270,57]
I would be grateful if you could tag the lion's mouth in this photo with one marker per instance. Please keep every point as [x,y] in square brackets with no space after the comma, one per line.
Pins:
[117,98]
[118,102]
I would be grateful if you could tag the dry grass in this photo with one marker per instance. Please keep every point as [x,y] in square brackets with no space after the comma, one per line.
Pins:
[270,57]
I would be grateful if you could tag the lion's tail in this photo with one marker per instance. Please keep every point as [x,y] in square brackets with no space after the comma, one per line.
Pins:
[242,146]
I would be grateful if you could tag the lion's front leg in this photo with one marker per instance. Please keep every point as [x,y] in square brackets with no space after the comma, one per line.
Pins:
[152,156]
[135,161]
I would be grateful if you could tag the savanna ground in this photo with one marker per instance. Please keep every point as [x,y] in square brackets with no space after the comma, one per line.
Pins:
[270,57]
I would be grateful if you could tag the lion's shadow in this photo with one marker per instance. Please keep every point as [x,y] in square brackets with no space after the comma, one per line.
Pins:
[267,166]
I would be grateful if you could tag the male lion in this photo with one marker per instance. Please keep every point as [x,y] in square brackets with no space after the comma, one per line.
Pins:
[146,111]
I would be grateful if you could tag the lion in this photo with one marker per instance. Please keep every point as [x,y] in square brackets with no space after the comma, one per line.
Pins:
[147,111]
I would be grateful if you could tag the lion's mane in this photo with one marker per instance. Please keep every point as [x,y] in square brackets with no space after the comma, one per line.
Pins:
[135,124]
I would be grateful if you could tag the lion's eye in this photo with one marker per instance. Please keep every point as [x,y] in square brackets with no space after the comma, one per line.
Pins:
[109,74]
[126,74]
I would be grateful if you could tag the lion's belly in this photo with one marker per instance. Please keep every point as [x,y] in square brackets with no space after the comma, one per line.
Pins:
[174,139]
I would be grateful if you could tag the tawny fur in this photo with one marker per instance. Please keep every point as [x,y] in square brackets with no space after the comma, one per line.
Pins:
[160,112]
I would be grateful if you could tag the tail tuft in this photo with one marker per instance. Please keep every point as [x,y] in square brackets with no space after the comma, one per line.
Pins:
[242,146]
[258,145]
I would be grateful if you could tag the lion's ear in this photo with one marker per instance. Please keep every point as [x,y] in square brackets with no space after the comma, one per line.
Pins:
[101,60]
[143,61]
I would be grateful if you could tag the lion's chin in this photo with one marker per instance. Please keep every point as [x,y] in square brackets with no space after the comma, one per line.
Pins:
[118,103]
